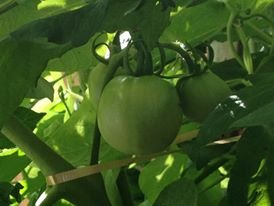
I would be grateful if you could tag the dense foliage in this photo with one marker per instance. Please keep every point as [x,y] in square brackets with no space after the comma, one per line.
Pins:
[137,102]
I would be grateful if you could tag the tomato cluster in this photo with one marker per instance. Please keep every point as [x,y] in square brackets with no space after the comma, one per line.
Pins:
[142,114]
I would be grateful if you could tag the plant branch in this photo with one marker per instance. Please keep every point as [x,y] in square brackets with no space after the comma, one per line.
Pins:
[51,163]
[46,159]
[7,6]
[229,27]
[260,33]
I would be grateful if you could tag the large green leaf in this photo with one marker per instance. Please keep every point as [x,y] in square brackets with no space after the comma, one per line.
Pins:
[28,11]
[21,63]
[251,149]
[156,175]
[76,26]
[197,23]
[261,116]
[80,58]
[239,110]
[181,192]
[236,107]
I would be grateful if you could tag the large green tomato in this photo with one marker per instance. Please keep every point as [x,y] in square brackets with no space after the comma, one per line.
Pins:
[139,115]
[200,94]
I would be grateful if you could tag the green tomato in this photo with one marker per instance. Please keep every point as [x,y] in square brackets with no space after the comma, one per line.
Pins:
[200,94]
[139,115]
[97,80]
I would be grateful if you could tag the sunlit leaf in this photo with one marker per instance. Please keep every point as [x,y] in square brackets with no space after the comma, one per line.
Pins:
[156,175]
[185,27]
[73,139]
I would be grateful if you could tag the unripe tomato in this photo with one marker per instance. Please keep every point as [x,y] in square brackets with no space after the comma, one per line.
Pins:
[139,115]
[97,80]
[96,83]
[201,93]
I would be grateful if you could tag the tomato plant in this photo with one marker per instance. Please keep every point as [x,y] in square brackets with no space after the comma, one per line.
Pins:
[176,110]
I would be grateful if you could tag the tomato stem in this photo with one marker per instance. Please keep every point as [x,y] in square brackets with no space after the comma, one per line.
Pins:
[246,51]
[210,169]
[95,145]
[94,48]
[126,63]
[229,27]
[123,186]
[144,57]
[262,35]
[162,60]
[184,55]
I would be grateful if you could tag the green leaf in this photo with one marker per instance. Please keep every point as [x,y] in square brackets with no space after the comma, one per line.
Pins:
[12,162]
[261,5]
[5,143]
[237,106]
[210,189]
[28,117]
[21,63]
[72,140]
[184,25]
[110,177]
[80,58]
[42,90]
[16,192]
[261,116]
[157,174]
[33,181]
[251,5]
[28,11]
[75,27]
[243,5]
[251,149]
[5,190]
[181,192]
[228,70]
